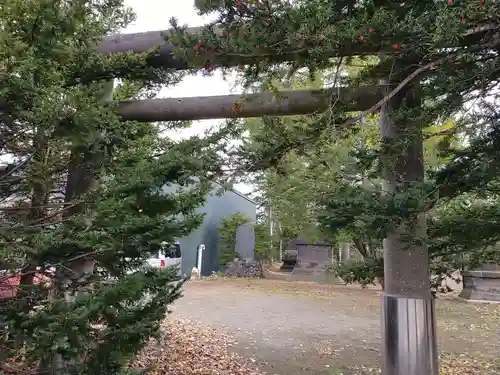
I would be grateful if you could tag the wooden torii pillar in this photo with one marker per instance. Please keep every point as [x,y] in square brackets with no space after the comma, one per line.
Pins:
[409,341]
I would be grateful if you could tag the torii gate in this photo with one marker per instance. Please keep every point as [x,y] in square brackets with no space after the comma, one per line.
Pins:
[408,314]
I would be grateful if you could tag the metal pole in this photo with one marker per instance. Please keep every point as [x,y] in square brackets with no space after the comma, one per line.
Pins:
[408,314]
[270,221]
[199,262]
[281,241]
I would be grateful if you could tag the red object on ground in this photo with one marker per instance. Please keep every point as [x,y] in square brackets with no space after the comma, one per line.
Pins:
[162,263]
[14,280]
[8,285]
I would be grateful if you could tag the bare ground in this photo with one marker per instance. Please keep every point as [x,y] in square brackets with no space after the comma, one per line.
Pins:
[306,328]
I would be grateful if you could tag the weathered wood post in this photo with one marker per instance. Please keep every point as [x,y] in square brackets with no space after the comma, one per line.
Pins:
[408,314]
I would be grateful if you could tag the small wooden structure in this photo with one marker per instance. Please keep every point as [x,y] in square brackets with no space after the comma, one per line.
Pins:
[314,261]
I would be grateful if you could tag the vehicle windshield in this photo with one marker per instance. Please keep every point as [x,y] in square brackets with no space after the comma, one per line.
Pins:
[171,250]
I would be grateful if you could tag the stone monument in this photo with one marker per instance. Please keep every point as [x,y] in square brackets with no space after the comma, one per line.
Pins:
[482,285]
[245,242]
[245,265]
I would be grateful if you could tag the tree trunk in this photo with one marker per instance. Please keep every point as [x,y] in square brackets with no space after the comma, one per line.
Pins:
[361,247]
[344,252]
[381,282]
[36,214]
[38,195]
[84,165]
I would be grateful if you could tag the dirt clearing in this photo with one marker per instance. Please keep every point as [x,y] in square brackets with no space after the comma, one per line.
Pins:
[306,328]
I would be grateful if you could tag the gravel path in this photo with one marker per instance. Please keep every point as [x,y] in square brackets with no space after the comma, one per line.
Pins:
[289,335]
[294,328]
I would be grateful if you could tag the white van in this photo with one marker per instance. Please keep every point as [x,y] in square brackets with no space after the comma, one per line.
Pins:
[168,255]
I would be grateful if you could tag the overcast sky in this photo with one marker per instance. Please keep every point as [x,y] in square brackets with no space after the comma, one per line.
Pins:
[155,15]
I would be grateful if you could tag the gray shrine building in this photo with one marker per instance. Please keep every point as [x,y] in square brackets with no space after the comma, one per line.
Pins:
[216,208]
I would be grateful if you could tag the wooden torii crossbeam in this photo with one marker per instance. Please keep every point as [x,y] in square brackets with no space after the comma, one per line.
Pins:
[161,51]
[163,57]
[300,102]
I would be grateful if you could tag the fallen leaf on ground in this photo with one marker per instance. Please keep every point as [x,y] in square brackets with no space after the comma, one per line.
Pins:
[189,348]
[467,365]
[449,365]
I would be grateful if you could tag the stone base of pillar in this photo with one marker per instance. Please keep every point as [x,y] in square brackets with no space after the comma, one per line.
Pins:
[408,336]
[481,286]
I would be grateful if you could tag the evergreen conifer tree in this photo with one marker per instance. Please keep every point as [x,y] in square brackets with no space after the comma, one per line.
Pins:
[83,204]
